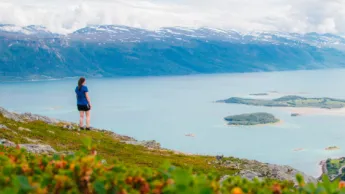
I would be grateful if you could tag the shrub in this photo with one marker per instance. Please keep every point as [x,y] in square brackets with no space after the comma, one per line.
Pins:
[85,172]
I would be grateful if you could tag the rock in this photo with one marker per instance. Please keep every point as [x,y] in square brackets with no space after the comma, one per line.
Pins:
[32,140]
[298,149]
[231,165]
[68,153]
[224,178]
[26,117]
[3,126]
[295,114]
[288,173]
[38,148]
[148,144]
[103,161]
[151,144]
[250,175]
[7,143]
[284,173]
[9,115]
[69,127]
[24,129]
[219,157]
[251,169]
[32,117]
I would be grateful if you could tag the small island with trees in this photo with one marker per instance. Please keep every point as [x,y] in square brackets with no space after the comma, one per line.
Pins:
[290,101]
[251,119]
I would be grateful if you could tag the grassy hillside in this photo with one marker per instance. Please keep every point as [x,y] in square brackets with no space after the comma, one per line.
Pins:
[100,162]
[84,172]
[108,146]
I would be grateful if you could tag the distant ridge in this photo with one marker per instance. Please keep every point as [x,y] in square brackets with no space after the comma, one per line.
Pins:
[33,52]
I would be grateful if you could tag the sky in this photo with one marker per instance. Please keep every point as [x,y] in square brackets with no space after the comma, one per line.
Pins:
[64,16]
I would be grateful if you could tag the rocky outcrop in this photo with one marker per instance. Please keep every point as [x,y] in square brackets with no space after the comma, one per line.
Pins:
[148,144]
[24,129]
[27,117]
[69,127]
[295,114]
[251,169]
[38,148]
[222,179]
[279,172]
[250,175]
[33,148]
[3,126]
[7,143]
[152,144]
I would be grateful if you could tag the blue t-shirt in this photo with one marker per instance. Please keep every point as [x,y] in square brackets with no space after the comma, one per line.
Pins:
[81,97]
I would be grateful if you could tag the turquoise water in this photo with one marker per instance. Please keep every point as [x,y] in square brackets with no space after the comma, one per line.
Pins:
[167,108]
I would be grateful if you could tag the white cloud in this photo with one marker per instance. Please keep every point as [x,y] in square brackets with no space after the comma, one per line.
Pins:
[245,15]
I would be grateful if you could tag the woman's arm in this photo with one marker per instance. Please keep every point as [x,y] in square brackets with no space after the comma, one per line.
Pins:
[88,98]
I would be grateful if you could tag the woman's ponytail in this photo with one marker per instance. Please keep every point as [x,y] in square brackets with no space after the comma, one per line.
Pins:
[80,82]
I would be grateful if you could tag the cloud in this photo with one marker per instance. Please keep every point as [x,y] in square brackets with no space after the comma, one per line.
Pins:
[65,16]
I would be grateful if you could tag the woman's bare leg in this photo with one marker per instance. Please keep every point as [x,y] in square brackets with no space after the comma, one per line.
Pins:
[87,119]
[81,119]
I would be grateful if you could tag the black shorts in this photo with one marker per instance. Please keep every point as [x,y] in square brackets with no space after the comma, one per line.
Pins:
[83,107]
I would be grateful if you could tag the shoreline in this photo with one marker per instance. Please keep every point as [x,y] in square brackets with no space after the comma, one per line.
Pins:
[323,168]
[278,123]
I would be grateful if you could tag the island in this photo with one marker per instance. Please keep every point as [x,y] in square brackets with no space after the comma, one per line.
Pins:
[251,119]
[259,94]
[295,114]
[298,149]
[290,101]
[332,148]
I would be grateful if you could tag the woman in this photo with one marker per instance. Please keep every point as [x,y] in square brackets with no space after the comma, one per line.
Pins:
[83,103]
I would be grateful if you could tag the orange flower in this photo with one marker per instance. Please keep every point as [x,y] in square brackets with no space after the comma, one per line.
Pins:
[25,168]
[170,181]
[123,191]
[145,188]
[42,190]
[94,152]
[72,166]
[237,190]
[129,180]
[276,188]
[341,184]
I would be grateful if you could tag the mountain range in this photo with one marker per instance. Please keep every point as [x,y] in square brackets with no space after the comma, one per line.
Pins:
[33,52]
